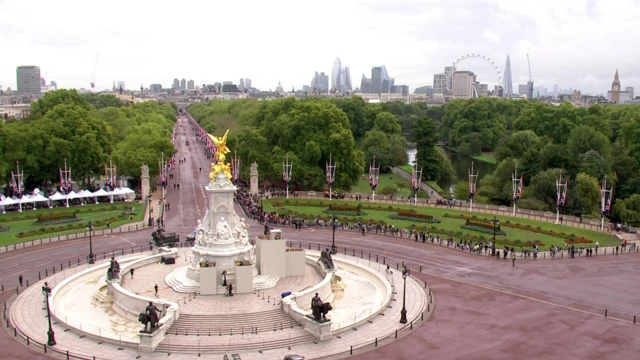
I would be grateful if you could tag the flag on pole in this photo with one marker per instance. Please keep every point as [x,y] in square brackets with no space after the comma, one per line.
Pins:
[63,184]
[562,201]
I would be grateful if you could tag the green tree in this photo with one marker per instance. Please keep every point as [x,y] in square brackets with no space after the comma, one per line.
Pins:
[543,187]
[426,138]
[144,144]
[585,196]
[53,98]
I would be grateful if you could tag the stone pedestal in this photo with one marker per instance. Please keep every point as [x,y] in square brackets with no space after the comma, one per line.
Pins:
[150,341]
[208,281]
[243,276]
[321,330]
[270,253]
[253,175]
[144,182]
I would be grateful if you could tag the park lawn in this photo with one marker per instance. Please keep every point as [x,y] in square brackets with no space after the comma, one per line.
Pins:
[434,185]
[486,158]
[97,218]
[406,167]
[385,180]
[454,224]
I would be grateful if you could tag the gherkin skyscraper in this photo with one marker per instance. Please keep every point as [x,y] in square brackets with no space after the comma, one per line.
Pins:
[507,80]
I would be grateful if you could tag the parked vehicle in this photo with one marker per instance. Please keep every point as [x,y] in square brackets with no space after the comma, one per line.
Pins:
[229,356]
[294,357]
[160,238]
[191,239]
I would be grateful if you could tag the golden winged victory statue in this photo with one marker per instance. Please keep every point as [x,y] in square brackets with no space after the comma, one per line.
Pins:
[221,149]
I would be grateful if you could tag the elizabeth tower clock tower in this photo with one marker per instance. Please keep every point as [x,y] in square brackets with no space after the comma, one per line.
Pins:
[615,89]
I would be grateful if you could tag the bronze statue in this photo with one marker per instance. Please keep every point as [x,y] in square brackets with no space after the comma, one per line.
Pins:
[113,273]
[221,150]
[319,309]
[325,259]
[149,318]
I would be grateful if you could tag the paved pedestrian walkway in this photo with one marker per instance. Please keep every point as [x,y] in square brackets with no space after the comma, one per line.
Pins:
[28,314]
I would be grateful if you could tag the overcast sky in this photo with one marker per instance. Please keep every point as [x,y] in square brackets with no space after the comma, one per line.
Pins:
[573,43]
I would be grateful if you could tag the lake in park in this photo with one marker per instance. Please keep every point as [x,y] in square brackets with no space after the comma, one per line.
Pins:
[461,165]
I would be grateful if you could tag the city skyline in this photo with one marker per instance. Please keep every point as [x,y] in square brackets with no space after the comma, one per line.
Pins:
[594,43]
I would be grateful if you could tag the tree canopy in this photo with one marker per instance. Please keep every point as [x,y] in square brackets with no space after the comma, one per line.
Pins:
[86,130]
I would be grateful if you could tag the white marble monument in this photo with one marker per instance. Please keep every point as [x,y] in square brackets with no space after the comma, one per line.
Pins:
[222,237]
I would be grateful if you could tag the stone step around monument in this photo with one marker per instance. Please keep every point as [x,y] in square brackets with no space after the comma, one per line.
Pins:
[236,343]
[260,282]
[101,298]
[270,320]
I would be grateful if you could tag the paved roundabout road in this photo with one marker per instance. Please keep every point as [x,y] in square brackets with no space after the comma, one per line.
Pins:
[485,308]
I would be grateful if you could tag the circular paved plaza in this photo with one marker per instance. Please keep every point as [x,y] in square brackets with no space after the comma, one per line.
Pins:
[484,308]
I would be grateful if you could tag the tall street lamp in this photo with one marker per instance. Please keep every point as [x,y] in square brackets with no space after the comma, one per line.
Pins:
[91,256]
[51,338]
[493,248]
[403,312]
[334,248]
[149,206]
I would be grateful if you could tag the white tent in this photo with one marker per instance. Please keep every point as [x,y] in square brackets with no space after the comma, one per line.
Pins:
[26,199]
[100,192]
[57,196]
[126,190]
[84,194]
[8,201]
[39,198]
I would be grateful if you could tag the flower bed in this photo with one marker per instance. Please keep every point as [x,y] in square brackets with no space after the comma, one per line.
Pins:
[68,227]
[482,229]
[29,215]
[482,224]
[46,218]
[410,215]
[339,207]
[55,222]
[345,212]
[537,230]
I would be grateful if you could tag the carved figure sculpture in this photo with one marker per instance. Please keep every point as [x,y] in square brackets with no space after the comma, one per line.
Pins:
[223,231]
[113,273]
[221,150]
[319,309]
[325,259]
[243,232]
[144,171]
[149,318]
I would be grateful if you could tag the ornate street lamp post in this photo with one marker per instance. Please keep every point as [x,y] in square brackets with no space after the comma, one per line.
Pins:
[51,338]
[91,256]
[493,248]
[149,206]
[403,312]
[334,248]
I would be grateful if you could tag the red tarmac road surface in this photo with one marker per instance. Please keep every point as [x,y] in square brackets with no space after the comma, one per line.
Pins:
[485,308]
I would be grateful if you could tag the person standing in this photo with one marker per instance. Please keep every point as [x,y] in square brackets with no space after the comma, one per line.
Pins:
[131,272]
[513,258]
[155,289]
[20,279]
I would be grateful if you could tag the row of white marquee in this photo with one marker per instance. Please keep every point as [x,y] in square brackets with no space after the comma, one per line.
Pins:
[37,197]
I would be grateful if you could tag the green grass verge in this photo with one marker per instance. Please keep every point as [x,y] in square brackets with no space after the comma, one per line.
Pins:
[302,206]
[434,185]
[406,167]
[486,158]
[401,185]
[97,214]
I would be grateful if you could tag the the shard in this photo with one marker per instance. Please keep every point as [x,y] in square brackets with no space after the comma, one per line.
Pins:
[507,80]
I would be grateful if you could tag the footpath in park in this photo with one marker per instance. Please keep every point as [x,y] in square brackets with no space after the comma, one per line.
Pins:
[434,195]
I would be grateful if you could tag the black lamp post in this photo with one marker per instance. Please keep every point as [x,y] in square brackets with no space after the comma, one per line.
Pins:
[403,312]
[91,256]
[51,338]
[493,248]
[334,248]
[149,206]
